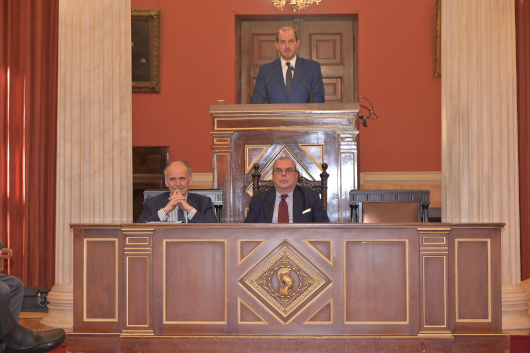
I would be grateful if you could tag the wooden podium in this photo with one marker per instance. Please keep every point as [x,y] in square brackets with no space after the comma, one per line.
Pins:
[309,134]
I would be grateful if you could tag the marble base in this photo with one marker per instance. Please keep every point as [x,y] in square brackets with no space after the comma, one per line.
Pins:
[514,308]
[60,308]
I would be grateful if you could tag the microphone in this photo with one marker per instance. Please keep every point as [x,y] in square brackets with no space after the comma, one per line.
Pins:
[309,89]
[270,78]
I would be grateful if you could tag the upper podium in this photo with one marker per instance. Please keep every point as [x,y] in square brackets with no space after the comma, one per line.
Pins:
[309,134]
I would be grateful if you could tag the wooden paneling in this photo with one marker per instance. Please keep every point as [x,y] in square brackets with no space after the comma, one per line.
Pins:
[474,263]
[333,45]
[101,279]
[195,292]
[306,133]
[434,279]
[326,48]
[333,88]
[98,268]
[434,291]
[366,301]
[138,291]
[264,49]
[473,271]
[380,279]
[458,344]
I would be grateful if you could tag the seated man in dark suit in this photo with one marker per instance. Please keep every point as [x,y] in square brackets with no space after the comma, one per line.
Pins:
[178,205]
[284,85]
[286,202]
[17,337]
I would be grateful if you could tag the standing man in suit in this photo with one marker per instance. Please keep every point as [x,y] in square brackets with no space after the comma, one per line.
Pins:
[288,88]
[286,202]
[178,205]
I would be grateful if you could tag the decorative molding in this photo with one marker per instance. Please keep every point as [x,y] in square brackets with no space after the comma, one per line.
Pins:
[401,178]
[369,178]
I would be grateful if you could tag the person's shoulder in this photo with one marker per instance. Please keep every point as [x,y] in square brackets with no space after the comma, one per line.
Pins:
[308,191]
[271,65]
[263,195]
[307,61]
[196,196]
[157,198]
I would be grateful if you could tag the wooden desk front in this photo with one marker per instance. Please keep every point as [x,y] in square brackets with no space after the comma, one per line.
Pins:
[435,281]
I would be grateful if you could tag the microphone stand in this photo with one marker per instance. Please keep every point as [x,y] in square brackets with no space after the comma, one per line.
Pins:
[270,78]
[310,92]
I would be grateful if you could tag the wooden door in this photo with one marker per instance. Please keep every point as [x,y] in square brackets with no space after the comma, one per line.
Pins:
[331,42]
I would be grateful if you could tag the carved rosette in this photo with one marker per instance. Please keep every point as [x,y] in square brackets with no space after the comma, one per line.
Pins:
[286,281]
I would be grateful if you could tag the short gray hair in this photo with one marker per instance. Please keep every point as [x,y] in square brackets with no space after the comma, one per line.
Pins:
[186,163]
[295,169]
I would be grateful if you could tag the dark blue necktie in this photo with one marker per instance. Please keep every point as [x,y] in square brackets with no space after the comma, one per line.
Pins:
[288,79]
[180,215]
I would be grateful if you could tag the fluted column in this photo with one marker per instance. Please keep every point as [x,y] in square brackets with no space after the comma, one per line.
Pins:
[94,153]
[479,132]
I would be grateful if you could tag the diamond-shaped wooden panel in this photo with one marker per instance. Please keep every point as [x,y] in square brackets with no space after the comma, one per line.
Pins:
[285,280]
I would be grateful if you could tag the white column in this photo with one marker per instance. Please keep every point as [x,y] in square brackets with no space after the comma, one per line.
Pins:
[479,132]
[94,153]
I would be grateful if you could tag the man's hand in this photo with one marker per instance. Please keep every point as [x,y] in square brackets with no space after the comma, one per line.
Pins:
[177,200]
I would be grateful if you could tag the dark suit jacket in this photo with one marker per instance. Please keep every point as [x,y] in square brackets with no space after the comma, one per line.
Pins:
[202,204]
[261,207]
[308,70]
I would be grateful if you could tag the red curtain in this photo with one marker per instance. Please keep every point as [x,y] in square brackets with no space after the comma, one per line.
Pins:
[522,12]
[28,130]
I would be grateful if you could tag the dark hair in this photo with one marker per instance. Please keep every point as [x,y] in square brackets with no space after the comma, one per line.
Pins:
[286,29]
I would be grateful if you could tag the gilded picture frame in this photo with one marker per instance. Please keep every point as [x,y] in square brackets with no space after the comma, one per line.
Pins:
[438,40]
[145,47]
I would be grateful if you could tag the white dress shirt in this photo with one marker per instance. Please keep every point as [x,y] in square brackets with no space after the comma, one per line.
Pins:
[284,67]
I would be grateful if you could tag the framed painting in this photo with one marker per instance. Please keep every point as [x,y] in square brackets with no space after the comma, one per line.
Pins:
[438,40]
[145,46]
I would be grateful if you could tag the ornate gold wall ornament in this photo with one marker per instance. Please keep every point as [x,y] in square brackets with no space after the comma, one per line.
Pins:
[297,5]
[285,281]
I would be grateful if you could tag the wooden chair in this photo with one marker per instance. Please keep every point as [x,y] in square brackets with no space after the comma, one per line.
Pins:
[321,185]
[4,255]
[389,206]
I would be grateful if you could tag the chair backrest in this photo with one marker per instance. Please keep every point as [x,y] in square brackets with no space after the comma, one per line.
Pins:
[4,255]
[389,206]
[321,185]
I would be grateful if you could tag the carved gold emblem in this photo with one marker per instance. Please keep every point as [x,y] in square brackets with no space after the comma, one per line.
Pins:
[285,281]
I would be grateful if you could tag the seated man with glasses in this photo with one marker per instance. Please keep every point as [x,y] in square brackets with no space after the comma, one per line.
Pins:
[286,202]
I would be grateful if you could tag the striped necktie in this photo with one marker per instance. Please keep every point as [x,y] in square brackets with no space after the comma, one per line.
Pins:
[283,211]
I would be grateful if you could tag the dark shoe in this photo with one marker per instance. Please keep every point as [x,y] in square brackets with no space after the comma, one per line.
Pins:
[38,342]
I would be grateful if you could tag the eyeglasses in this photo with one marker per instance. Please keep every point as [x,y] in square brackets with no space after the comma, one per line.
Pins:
[287,171]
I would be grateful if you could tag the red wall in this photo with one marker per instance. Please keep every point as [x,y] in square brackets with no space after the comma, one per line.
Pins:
[396,60]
